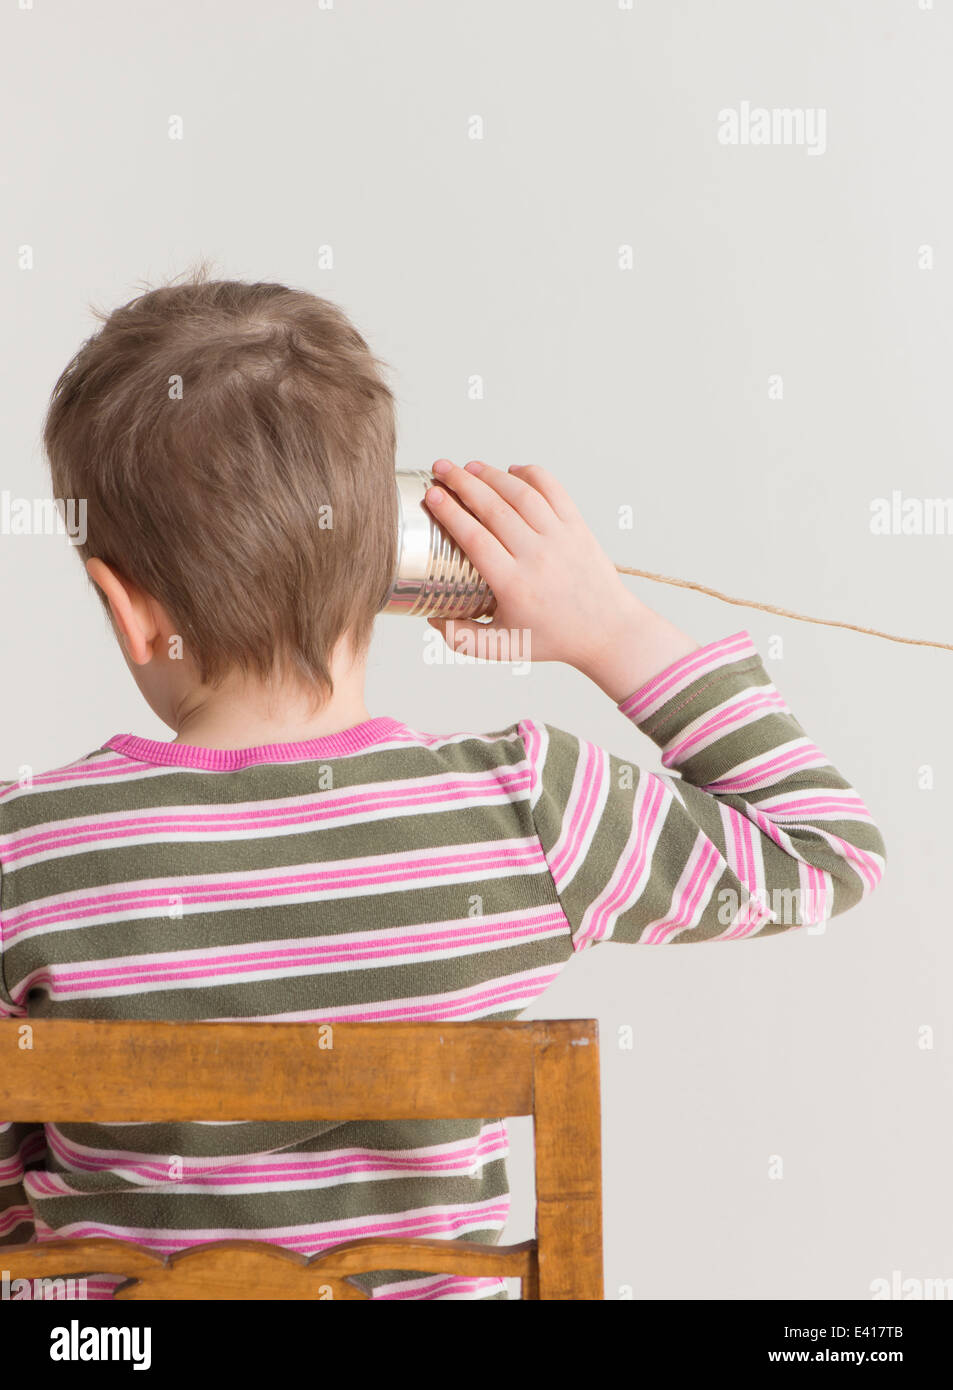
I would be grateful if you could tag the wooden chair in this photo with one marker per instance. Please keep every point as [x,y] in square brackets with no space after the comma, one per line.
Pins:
[110,1071]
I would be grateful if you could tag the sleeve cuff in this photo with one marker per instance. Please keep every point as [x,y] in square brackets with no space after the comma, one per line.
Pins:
[671,700]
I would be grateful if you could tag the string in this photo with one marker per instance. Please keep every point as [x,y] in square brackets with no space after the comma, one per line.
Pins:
[783,612]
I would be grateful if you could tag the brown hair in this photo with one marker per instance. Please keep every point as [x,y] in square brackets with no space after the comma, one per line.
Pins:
[235,446]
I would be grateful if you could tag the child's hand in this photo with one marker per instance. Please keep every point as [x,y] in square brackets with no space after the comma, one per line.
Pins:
[551,578]
[547,570]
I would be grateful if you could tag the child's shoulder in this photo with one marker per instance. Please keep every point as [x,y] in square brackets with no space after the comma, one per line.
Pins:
[493,745]
[31,782]
[525,738]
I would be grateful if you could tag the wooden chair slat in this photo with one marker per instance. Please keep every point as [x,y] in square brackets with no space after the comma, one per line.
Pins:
[150,1071]
[255,1269]
[568,1136]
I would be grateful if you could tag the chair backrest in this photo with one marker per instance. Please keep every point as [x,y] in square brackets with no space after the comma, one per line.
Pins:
[108,1071]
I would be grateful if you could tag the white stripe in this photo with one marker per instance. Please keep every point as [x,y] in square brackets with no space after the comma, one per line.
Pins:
[580,788]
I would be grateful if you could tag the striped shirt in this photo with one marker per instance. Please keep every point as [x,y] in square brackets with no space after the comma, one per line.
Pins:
[375,874]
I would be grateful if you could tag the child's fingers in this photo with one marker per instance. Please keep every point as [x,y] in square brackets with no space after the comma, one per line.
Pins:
[554,492]
[487,506]
[463,635]
[528,501]
[480,546]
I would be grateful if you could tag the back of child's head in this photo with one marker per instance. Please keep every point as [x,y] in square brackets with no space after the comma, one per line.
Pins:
[234,444]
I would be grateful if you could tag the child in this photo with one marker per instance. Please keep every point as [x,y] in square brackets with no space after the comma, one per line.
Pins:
[290,856]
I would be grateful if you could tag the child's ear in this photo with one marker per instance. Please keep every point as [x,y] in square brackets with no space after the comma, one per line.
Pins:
[131,611]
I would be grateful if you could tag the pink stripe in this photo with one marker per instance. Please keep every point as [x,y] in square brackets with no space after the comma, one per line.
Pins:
[683,909]
[532,738]
[869,869]
[742,860]
[445,1286]
[818,805]
[820,899]
[708,861]
[12,1217]
[373,1166]
[72,773]
[763,771]
[580,813]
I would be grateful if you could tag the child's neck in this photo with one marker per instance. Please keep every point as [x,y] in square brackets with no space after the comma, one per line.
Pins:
[248,714]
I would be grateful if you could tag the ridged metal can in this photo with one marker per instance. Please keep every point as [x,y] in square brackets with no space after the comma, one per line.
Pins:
[434,578]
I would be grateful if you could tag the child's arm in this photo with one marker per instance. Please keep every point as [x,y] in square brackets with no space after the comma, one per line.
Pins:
[759,832]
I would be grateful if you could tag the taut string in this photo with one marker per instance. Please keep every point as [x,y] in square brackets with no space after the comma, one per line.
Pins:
[782,612]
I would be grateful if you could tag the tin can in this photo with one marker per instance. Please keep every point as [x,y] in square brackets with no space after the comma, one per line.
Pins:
[434,578]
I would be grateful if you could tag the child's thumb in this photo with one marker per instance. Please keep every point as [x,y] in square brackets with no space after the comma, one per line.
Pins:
[460,634]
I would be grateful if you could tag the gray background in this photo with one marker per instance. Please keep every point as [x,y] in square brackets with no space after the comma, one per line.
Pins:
[348,127]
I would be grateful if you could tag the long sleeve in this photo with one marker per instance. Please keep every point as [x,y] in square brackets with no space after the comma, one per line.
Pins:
[755,833]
